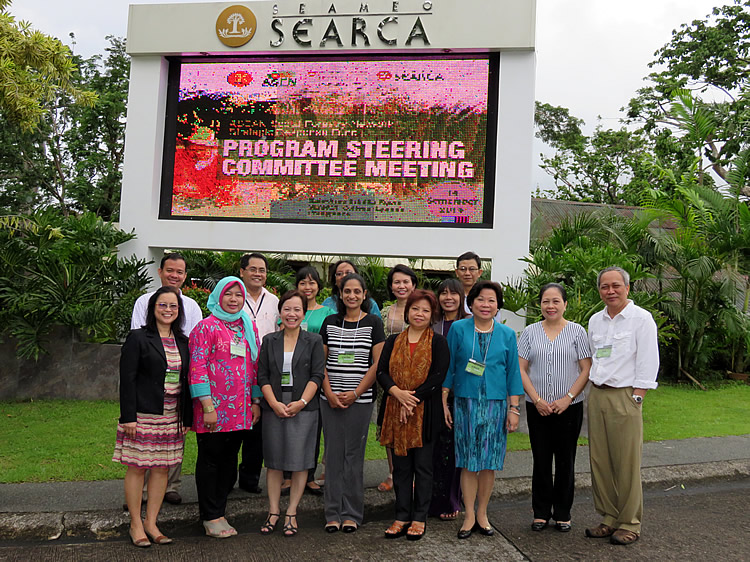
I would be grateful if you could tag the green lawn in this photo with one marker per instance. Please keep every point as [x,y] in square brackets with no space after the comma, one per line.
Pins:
[54,440]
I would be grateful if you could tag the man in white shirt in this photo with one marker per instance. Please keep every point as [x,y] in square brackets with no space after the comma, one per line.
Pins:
[468,272]
[263,308]
[625,345]
[172,272]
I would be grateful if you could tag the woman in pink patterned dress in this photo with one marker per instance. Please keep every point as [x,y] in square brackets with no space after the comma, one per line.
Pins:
[155,409]
[226,397]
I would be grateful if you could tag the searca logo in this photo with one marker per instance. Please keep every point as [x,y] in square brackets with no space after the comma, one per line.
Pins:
[240,78]
[411,76]
[384,75]
[280,79]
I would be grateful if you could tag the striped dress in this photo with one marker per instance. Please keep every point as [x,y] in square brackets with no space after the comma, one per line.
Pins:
[158,441]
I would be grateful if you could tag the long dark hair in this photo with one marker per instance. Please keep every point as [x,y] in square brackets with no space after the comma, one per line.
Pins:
[178,323]
[454,286]
[365,306]
[332,275]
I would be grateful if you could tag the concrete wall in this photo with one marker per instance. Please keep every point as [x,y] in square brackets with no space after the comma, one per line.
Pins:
[71,369]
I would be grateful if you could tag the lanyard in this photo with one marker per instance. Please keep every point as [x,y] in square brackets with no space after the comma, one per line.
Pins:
[354,336]
[260,305]
[487,350]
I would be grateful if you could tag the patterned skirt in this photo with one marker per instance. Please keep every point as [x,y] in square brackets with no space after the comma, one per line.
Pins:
[480,432]
[158,443]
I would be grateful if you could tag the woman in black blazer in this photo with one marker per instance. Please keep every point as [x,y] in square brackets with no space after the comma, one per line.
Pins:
[290,371]
[155,409]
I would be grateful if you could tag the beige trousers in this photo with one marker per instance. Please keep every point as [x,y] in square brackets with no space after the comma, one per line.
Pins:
[615,449]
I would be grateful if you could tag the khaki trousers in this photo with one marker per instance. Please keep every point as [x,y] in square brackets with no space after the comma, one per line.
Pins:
[615,449]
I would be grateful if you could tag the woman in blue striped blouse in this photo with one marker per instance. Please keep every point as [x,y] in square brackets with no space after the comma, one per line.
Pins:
[555,360]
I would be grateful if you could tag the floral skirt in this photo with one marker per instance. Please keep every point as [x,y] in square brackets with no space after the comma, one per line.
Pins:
[158,442]
[480,433]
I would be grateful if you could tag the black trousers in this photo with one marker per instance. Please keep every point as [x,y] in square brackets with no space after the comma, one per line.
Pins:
[216,471]
[412,482]
[553,437]
[252,456]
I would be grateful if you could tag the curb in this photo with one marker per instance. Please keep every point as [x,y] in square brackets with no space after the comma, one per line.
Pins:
[106,524]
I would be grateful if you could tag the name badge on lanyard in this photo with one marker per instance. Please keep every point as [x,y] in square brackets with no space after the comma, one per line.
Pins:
[474,367]
[345,358]
[604,351]
[286,379]
[172,377]
[237,348]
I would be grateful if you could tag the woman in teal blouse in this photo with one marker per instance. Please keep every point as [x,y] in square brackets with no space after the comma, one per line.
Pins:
[309,284]
[484,376]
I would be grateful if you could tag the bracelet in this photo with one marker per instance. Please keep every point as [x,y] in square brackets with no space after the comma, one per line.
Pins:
[256,401]
[537,401]
[515,407]
[303,401]
[446,391]
[355,394]
[515,412]
[570,395]
[209,409]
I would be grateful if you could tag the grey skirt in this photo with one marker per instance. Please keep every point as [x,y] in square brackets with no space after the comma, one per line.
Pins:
[289,443]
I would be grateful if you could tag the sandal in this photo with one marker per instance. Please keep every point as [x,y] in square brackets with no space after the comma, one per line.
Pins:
[216,529]
[267,528]
[397,529]
[332,527]
[289,529]
[349,527]
[601,531]
[159,539]
[623,536]
[416,531]
[449,516]
[387,484]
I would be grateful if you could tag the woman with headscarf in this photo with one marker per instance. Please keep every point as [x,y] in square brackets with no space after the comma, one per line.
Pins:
[223,384]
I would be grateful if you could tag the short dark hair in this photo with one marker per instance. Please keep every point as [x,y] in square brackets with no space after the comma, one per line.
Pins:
[244,260]
[332,274]
[341,307]
[454,286]
[400,268]
[557,286]
[466,256]
[290,295]
[486,284]
[312,273]
[419,295]
[178,323]
[172,256]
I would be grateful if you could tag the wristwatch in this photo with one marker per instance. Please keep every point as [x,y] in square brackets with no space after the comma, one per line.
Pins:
[638,399]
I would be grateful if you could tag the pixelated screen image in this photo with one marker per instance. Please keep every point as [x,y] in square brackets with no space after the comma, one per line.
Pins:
[364,141]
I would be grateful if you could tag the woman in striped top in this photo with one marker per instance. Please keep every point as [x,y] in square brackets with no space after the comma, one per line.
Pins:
[353,340]
[555,360]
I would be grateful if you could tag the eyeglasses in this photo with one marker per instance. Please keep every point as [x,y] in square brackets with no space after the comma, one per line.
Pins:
[464,269]
[340,274]
[167,305]
[256,270]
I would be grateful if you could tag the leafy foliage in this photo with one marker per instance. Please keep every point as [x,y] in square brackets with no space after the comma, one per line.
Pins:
[64,270]
[34,69]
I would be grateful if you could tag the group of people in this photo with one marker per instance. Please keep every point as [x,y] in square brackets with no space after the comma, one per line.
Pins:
[267,375]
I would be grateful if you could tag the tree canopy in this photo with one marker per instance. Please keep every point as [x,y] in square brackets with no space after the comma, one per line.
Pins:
[34,69]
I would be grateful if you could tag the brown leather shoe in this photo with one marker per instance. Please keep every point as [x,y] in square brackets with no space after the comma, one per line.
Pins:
[173,497]
[601,531]
[624,537]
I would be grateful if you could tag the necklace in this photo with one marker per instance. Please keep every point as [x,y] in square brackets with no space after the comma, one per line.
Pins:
[484,331]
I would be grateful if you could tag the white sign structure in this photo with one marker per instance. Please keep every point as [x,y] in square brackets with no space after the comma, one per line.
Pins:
[438,164]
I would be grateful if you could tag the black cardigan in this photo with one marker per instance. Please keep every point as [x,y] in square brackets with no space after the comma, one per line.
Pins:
[308,364]
[429,391]
[143,366]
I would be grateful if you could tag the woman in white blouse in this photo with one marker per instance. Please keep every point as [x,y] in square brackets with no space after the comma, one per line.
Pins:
[555,359]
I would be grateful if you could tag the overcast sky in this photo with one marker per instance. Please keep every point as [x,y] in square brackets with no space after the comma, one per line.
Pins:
[592,55]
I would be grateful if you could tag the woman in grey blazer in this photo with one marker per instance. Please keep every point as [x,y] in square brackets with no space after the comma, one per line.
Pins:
[290,371]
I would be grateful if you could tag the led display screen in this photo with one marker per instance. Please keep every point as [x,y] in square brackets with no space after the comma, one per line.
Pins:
[365,141]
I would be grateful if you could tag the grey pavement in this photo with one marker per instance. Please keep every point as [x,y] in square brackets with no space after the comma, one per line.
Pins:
[93,509]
